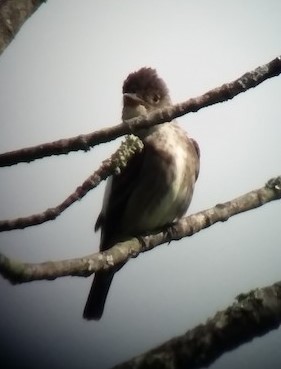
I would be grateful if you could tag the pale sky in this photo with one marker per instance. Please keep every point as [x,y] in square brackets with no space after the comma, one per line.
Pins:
[62,76]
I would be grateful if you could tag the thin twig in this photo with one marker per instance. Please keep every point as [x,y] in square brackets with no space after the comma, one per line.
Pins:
[114,164]
[85,141]
[18,272]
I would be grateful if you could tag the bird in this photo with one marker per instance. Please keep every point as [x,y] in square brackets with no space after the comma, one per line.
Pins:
[155,189]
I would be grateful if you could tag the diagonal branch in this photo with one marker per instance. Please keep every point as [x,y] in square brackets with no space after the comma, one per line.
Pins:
[13,13]
[252,315]
[85,141]
[114,164]
[18,272]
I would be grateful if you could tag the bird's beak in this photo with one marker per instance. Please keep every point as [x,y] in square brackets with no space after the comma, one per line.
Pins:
[132,100]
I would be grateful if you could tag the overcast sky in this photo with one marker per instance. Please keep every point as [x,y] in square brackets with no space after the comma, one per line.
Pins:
[62,76]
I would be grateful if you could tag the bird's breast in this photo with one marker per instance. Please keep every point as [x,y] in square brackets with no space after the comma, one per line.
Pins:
[166,183]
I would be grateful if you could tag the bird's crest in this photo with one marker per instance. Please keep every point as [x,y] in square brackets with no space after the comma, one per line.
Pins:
[145,81]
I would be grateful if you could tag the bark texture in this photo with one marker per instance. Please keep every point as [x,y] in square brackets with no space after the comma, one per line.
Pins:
[13,13]
[85,141]
[252,315]
[19,272]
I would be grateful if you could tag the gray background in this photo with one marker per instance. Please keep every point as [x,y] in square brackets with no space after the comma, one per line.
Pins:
[62,76]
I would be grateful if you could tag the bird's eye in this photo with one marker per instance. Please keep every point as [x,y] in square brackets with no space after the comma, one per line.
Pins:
[155,99]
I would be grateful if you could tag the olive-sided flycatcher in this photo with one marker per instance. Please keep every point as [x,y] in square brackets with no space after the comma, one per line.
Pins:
[155,188]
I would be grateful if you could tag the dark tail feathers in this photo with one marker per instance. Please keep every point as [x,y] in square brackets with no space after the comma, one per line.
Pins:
[96,299]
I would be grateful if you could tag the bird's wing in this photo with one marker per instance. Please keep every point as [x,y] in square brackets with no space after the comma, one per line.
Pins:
[118,190]
[197,149]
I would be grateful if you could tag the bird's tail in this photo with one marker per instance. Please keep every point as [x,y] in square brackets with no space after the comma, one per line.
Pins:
[96,299]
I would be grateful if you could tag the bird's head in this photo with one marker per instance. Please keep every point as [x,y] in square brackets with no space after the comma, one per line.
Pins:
[144,92]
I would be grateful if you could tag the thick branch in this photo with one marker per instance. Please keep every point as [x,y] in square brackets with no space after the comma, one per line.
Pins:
[13,13]
[18,272]
[84,142]
[115,163]
[252,315]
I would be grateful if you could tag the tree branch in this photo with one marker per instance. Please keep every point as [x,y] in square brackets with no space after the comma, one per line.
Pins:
[13,13]
[114,164]
[85,141]
[252,315]
[18,272]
